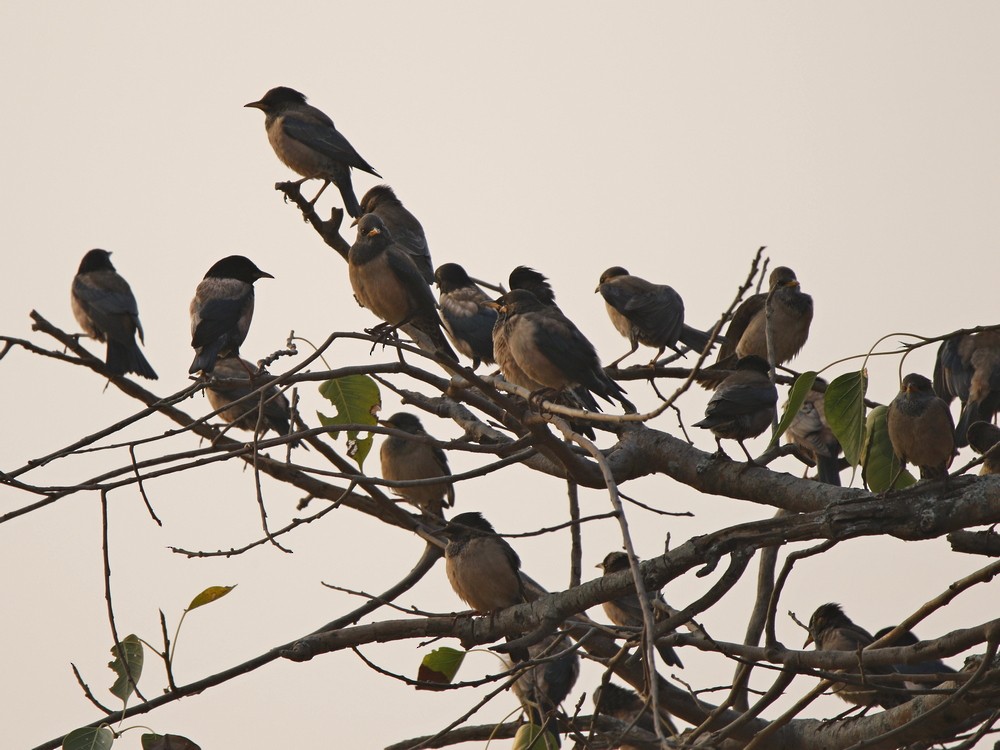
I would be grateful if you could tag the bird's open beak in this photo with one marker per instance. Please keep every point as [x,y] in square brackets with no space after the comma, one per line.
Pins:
[255,105]
[373,232]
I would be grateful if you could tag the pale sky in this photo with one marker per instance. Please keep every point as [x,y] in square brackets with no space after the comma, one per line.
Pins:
[858,141]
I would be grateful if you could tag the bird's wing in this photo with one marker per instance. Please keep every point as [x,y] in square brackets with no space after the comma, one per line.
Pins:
[409,276]
[658,311]
[951,376]
[218,317]
[558,339]
[468,319]
[327,140]
[741,319]
[110,304]
[737,399]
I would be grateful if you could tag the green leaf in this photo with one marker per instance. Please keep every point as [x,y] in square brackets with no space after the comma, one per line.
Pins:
[167,742]
[357,399]
[845,412]
[89,738]
[209,595]
[880,461]
[800,389]
[531,737]
[131,652]
[440,666]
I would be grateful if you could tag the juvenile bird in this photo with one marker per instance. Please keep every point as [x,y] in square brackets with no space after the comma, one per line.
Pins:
[222,309]
[305,139]
[625,611]
[543,687]
[221,395]
[831,630]
[404,459]
[982,437]
[969,367]
[387,282]
[466,313]
[792,312]
[646,313]
[404,227]
[812,436]
[931,666]
[105,308]
[743,405]
[921,429]
[629,708]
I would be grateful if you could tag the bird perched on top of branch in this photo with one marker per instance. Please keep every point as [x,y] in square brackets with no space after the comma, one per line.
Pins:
[405,459]
[466,313]
[404,227]
[921,429]
[743,405]
[969,367]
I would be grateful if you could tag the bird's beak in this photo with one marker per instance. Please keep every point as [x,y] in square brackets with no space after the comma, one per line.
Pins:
[493,305]
[599,565]
[808,641]
[597,289]
[263,275]
[793,283]
[354,223]
[255,105]
[373,232]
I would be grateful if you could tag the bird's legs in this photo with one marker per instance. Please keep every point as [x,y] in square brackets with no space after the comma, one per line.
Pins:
[325,184]
[635,345]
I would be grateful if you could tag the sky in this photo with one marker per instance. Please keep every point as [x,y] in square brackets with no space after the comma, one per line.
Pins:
[857,141]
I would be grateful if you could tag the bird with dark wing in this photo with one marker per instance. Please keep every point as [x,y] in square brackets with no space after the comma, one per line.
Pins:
[105,308]
[543,687]
[743,405]
[626,612]
[791,314]
[813,438]
[404,227]
[387,282]
[466,312]
[222,309]
[646,313]
[968,367]
[629,708]
[231,382]
[921,428]
[831,630]
[550,350]
[928,667]
[305,139]
[532,281]
[983,436]
[404,459]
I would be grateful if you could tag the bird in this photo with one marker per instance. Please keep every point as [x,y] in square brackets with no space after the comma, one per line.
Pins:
[791,314]
[982,437]
[921,428]
[405,459]
[551,350]
[543,687]
[625,611]
[466,313]
[387,282]
[482,568]
[832,630]
[222,309]
[305,139]
[743,405]
[968,367]
[646,313]
[222,394]
[812,436]
[931,666]
[381,200]
[532,281]
[629,708]
[105,308]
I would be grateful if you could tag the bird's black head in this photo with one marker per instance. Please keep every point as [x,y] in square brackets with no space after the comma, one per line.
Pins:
[916,383]
[372,227]
[614,562]
[404,421]
[237,267]
[465,525]
[613,272]
[782,276]
[983,436]
[906,638]
[612,699]
[532,281]
[755,363]
[278,99]
[96,260]
[379,195]
[451,276]
[825,617]
[518,301]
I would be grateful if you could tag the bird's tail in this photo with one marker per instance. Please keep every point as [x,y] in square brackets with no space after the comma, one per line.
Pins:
[350,199]
[427,334]
[696,339]
[828,470]
[970,414]
[668,655]
[123,358]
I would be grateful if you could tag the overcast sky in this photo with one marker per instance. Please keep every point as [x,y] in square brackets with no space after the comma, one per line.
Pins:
[858,141]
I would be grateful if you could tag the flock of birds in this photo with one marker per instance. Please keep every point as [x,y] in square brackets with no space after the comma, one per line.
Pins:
[537,347]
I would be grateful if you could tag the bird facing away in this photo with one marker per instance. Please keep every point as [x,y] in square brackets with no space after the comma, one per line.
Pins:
[305,139]
[551,350]
[105,308]
[646,313]
[387,282]
[466,313]
[982,437]
[626,612]
[743,405]
[921,429]
[532,281]
[812,436]
[969,367]
[791,314]
[831,630]
[931,666]
[221,395]
[222,309]
[404,227]
[629,708]
[404,459]
[543,687]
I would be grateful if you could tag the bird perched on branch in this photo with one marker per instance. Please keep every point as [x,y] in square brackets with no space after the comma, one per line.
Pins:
[222,394]
[105,308]
[543,687]
[629,708]
[387,282]
[646,313]
[931,666]
[222,309]
[404,459]
[969,367]
[791,314]
[812,436]
[983,436]
[305,139]
[625,611]
[921,429]
[743,405]
[404,227]
[466,312]
[831,630]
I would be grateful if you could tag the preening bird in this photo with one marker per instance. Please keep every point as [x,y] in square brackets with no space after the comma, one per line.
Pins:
[629,708]
[404,227]
[222,309]
[921,429]
[812,436]
[968,367]
[743,405]
[105,308]
[222,395]
[983,436]
[305,139]
[466,313]
[405,459]
[543,687]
